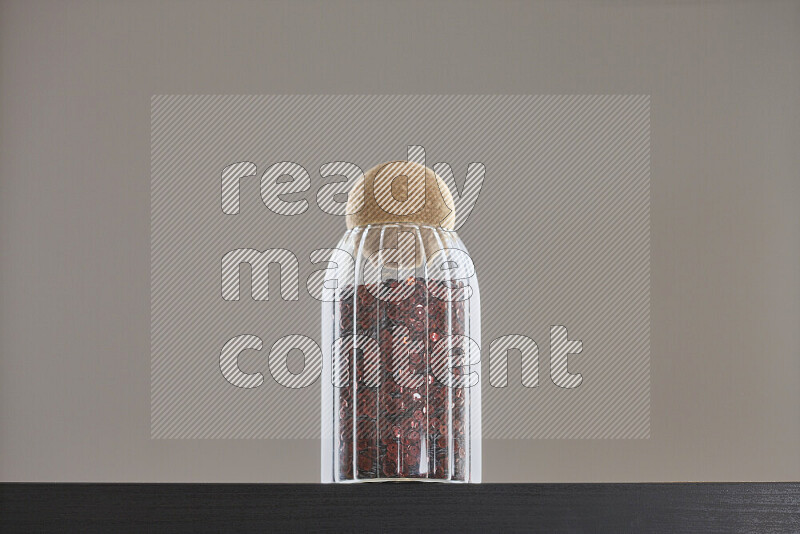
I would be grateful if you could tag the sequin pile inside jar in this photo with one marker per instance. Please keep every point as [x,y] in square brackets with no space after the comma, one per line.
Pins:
[401,390]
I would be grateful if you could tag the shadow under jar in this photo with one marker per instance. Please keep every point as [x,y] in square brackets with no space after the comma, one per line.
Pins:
[401,347]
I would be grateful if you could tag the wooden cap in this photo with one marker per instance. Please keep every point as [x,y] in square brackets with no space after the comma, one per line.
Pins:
[400,192]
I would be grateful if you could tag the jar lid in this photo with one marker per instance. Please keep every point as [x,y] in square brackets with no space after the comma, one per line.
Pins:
[400,192]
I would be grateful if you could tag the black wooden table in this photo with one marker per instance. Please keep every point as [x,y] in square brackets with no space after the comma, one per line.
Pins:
[737,507]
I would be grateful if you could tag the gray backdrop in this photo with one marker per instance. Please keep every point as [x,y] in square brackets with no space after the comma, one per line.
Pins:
[76,80]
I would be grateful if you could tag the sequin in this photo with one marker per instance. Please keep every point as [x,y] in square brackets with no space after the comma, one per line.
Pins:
[392,422]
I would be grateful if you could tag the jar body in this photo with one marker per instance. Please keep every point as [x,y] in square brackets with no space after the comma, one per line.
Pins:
[401,358]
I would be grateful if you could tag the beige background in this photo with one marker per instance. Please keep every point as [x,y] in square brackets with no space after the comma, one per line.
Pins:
[75,86]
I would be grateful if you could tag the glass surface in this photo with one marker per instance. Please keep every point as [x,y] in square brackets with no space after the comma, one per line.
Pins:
[401,346]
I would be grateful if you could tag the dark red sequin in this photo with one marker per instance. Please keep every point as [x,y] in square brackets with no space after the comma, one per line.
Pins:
[397,431]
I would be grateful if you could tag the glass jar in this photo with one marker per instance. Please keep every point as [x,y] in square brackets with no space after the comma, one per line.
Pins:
[401,340]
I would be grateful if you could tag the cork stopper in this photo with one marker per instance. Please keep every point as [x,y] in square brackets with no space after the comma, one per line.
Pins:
[400,192]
